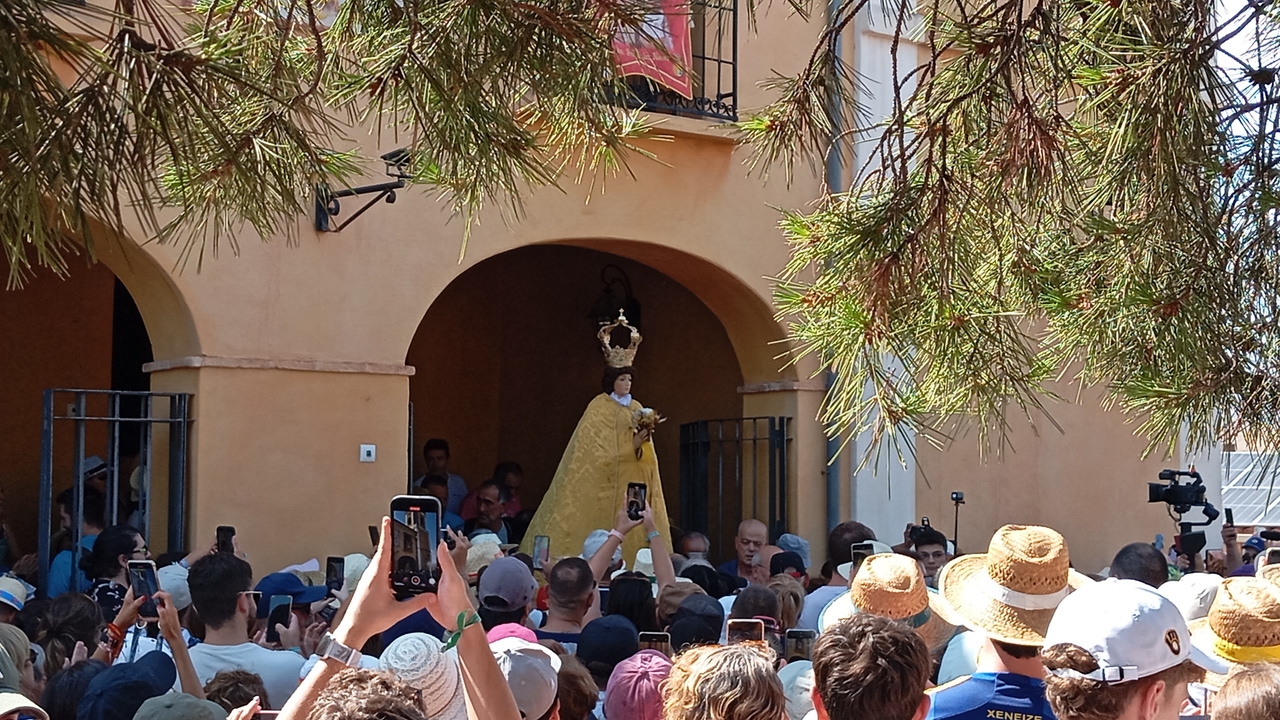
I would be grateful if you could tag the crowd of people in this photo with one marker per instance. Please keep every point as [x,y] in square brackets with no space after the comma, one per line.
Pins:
[908,631]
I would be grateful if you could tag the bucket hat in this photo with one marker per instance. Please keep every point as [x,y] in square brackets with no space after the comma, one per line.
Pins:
[420,661]
[1010,591]
[893,586]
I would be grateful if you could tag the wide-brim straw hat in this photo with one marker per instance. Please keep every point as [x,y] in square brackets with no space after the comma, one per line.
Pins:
[1270,573]
[1243,626]
[1010,592]
[893,586]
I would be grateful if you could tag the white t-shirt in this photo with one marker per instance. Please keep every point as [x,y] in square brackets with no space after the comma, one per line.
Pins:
[278,668]
[815,602]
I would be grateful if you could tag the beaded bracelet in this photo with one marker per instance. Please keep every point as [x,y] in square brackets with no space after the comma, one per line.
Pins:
[464,622]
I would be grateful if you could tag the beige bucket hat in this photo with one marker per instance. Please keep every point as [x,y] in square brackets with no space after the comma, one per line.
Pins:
[893,586]
[1010,592]
[1243,625]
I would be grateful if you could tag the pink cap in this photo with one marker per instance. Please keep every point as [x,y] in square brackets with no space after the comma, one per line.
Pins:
[511,630]
[634,690]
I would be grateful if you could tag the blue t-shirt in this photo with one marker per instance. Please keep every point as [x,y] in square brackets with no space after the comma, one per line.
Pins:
[65,566]
[991,696]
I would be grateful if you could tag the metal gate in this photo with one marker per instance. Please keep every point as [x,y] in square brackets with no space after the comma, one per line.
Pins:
[122,408]
[731,469]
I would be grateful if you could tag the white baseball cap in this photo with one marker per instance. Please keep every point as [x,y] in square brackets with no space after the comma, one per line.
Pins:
[1193,594]
[1130,629]
[532,674]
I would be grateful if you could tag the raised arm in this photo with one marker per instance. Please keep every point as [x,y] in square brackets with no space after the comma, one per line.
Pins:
[663,570]
[603,557]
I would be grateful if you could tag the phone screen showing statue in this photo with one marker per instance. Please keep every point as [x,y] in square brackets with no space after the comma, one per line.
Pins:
[637,496]
[541,551]
[415,533]
[142,578]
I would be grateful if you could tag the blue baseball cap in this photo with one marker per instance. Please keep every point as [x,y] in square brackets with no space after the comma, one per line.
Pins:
[608,641]
[1256,542]
[119,691]
[287,584]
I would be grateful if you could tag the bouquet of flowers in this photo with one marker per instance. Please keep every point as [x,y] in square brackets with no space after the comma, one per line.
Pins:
[647,419]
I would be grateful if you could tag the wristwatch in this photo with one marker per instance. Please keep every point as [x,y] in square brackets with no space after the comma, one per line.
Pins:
[331,648]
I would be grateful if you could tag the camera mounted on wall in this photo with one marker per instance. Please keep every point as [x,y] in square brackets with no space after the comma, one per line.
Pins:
[1181,497]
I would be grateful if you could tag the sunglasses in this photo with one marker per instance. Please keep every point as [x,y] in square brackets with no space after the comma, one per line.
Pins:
[254,595]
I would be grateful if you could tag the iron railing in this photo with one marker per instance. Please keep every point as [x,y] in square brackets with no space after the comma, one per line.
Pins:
[714,40]
[729,467]
[179,423]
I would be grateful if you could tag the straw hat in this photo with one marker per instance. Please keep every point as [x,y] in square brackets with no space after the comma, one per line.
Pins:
[892,586]
[1010,592]
[484,549]
[1243,625]
[1270,573]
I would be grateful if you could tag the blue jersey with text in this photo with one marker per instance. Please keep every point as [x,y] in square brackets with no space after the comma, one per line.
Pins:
[990,696]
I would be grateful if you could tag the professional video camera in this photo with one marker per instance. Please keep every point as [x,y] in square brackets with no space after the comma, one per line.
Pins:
[1181,498]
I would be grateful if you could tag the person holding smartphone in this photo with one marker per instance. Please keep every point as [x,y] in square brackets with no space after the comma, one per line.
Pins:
[108,566]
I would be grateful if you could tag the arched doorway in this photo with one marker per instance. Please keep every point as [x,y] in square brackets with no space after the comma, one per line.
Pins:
[83,330]
[506,360]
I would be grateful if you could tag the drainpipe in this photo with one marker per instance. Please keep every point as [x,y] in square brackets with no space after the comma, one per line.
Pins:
[834,174]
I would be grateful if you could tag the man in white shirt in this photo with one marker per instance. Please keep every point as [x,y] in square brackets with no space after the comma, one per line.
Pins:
[220,590]
[839,540]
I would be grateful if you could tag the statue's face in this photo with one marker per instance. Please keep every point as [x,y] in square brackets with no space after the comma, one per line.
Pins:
[622,386]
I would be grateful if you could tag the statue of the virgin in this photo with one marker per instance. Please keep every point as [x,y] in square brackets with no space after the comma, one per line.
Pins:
[611,447]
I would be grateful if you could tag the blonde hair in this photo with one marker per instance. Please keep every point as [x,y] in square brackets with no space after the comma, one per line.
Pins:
[790,599]
[724,682]
[1076,698]
[1252,693]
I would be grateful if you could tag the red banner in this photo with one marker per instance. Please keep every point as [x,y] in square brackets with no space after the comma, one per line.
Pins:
[638,54]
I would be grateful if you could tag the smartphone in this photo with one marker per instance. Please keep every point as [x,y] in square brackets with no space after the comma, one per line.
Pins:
[375,536]
[659,641]
[637,498]
[415,534]
[859,552]
[799,644]
[328,612]
[143,580]
[335,570]
[1231,517]
[225,535]
[278,614]
[740,631]
[541,551]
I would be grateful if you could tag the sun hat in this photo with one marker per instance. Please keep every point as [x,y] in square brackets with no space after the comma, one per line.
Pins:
[13,592]
[484,549]
[173,580]
[1130,629]
[353,566]
[795,544]
[532,674]
[877,548]
[1270,573]
[283,583]
[797,686]
[634,691]
[1010,591]
[893,586]
[117,692]
[595,540]
[1243,625]
[180,706]
[506,585]
[670,597]
[644,561]
[1193,594]
[17,702]
[420,661]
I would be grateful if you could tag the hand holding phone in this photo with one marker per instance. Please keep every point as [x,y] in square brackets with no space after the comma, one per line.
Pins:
[637,499]
[1231,517]
[143,580]
[335,570]
[278,614]
[541,552]
[415,535]
[226,539]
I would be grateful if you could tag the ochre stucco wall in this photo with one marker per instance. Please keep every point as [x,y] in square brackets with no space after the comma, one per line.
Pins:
[1088,482]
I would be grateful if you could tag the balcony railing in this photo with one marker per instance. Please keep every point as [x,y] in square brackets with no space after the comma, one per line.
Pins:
[714,36]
